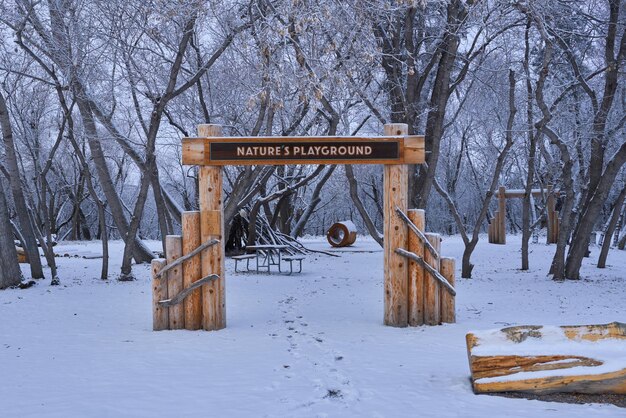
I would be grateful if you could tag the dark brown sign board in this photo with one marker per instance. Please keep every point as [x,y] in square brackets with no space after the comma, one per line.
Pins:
[303,150]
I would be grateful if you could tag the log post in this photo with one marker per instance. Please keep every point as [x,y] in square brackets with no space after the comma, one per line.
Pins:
[174,280]
[490,231]
[432,310]
[192,269]
[447,300]
[395,186]
[160,314]
[416,272]
[212,227]
[502,210]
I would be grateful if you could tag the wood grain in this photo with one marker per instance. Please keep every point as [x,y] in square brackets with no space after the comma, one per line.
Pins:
[448,314]
[416,271]
[410,150]
[192,269]
[174,280]
[395,186]
[509,365]
[160,314]
[212,227]
[432,310]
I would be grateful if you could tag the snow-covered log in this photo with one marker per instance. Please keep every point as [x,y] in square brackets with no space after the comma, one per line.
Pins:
[549,359]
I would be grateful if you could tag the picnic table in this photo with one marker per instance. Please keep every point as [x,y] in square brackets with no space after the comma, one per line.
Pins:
[268,255]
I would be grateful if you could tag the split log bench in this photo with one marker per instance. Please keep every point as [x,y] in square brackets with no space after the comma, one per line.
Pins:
[549,359]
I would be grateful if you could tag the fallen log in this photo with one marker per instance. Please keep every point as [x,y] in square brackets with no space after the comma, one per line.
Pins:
[549,359]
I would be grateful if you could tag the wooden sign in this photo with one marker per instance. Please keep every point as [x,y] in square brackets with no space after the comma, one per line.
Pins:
[220,151]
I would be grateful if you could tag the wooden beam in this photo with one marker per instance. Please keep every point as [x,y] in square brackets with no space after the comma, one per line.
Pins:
[174,246]
[417,217]
[192,268]
[396,191]
[212,227]
[218,151]
[448,314]
[160,314]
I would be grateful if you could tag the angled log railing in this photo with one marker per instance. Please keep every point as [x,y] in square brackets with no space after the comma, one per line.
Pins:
[187,291]
[431,270]
[187,257]
[431,289]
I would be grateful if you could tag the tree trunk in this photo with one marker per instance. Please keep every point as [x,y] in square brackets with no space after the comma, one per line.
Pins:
[580,240]
[26,226]
[532,138]
[617,210]
[10,274]
[141,253]
[466,264]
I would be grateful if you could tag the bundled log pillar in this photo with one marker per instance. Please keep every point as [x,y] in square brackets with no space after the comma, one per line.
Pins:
[395,185]
[192,269]
[160,314]
[432,296]
[212,227]
[448,314]
[416,271]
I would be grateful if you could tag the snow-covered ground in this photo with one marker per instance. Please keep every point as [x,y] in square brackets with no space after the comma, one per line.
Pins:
[311,344]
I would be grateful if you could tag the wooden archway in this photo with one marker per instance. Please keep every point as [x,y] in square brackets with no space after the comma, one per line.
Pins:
[497,225]
[202,285]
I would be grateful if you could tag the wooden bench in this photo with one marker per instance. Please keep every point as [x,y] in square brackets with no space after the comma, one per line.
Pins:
[547,359]
[246,257]
[291,259]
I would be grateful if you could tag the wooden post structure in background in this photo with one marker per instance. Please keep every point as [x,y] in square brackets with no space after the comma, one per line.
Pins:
[160,314]
[174,250]
[212,227]
[432,310]
[416,271]
[396,188]
[192,269]
[447,300]
[502,210]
